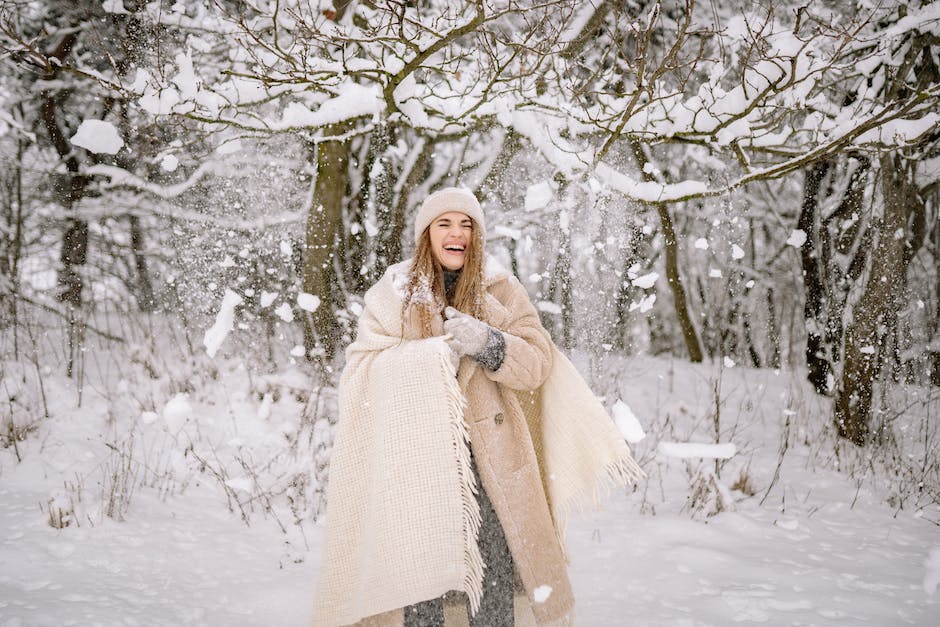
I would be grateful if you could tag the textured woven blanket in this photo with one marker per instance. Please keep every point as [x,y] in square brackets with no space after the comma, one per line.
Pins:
[402,517]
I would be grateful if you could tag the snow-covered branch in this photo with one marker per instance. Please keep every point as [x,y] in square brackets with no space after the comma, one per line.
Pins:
[886,126]
[121,178]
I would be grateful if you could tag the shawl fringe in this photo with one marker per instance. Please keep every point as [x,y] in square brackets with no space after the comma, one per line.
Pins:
[473,560]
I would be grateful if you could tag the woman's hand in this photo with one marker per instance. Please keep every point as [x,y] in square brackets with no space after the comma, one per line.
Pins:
[474,338]
[468,335]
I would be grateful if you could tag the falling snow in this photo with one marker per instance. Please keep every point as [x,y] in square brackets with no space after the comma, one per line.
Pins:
[170,404]
[98,136]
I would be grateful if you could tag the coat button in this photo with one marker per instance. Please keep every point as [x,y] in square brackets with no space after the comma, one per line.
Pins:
[498,418]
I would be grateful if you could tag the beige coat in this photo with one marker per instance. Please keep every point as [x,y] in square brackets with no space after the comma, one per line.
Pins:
[503,446]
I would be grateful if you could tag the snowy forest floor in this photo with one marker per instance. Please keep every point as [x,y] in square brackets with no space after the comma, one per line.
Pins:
[843,536]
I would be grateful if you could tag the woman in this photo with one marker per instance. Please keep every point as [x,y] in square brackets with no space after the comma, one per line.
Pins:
[450,352]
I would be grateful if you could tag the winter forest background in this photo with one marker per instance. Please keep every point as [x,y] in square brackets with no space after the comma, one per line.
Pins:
[726,213]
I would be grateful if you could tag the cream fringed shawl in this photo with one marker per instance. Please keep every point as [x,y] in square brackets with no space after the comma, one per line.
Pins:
[402,517]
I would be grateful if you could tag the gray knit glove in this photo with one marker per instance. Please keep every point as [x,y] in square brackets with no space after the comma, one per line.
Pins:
[468,335]
[474,338]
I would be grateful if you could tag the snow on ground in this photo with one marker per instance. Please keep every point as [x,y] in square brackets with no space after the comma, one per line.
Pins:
[817,564]
[185,562]
[825,548]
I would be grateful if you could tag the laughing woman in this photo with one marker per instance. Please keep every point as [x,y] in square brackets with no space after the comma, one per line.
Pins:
[464,437]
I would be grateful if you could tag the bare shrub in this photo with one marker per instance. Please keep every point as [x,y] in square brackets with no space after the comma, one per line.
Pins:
[707,494]
[60,507]
[744,483]
[119,479]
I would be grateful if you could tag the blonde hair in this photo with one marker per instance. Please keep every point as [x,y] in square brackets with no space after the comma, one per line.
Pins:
[424,292]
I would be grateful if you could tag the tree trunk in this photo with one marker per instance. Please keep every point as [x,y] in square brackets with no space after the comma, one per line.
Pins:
[915,217]
[69,188]
[773,329]
[14,216]
[933,357]
[818,361]
[865,334]
[353,238]
[321,331]
[933,324]
[145,299]
[378,186]
[625,292]
[692,342]
[689,333]
[74,251]
[747,335]
[844,245]
[562,281]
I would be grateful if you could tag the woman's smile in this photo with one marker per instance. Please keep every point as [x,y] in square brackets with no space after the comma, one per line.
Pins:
[455,251]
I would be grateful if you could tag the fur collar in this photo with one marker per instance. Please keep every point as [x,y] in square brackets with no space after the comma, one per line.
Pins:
[493,272]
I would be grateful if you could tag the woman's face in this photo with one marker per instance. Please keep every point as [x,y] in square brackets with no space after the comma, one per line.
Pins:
[451,237]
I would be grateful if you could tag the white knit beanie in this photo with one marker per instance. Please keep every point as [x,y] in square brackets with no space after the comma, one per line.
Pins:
[448,199]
